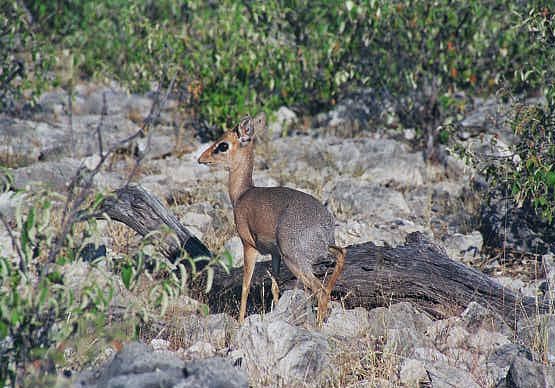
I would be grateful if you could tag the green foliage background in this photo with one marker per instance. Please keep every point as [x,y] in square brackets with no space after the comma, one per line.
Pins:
[238,56]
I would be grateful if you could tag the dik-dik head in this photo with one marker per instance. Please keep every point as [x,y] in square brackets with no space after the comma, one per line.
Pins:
[234,143]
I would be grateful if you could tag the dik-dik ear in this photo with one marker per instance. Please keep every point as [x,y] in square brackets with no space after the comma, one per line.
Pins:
[245,130]
[249,126]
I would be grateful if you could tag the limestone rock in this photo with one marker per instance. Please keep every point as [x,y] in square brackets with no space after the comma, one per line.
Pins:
[278,352]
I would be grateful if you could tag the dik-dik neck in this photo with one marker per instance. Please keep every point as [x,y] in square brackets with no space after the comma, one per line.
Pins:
[240,173]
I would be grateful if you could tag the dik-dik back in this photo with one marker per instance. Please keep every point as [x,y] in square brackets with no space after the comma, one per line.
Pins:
[288,224]
[279,217]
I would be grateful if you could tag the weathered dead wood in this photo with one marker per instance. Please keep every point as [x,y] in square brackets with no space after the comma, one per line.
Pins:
[418,271]
[144,213]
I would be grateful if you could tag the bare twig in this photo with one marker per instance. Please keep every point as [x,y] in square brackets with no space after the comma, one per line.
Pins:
[103,114]
[70,117]
[82,183]
[15,245]
[153,115]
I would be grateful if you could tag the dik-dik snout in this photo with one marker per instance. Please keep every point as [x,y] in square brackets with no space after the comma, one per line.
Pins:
[288,224]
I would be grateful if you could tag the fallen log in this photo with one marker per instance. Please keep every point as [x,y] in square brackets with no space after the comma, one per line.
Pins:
[418,271]
[144,213]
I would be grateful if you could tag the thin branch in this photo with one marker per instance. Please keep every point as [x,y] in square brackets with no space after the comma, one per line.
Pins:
[70,117]
[103,114]
[15,245]
[154,114]
[83,180]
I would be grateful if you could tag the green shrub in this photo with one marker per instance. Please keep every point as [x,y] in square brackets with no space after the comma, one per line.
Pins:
[235,57]
[526,170]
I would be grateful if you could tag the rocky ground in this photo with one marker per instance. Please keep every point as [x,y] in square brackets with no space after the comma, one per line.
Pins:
[380,189]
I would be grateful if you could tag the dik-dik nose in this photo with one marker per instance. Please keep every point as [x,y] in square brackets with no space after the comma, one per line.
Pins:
[205,157]
[202,159]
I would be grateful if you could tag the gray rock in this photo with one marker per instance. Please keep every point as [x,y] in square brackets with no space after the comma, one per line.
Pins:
[52,175]
[464,246]
[413,373]
[216,329]
[446,376]
[506,225]
[212,373]
[476,316]
[478,331]
[501,359]
[155,147]
[277,352]
[137,366]
[484,341]
[200,350]
[382,161]
[343,323]
[9,202]
[419,201]
[18,144]
[524,373]
[200,221]
[367,200]
[6,244]
[138,360]
[284,119]
[429,354]
[294,307]
[353,113]
[392,233]
[510,282]
[235,248]
[401,327]
[548,264]
[264,180]
[447,334]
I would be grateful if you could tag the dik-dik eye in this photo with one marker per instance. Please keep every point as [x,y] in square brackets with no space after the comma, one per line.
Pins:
[222,147]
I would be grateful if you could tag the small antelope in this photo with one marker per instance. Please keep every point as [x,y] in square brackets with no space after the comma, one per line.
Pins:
[286,223]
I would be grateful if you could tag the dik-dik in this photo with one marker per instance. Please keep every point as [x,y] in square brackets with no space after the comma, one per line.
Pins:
[286,223]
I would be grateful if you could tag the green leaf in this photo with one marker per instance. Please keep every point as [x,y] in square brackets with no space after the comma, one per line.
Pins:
[550,178]
[204,309]
[126,275]
[3,330]
[15,317]
[209,279]
[55,277]
[30,223]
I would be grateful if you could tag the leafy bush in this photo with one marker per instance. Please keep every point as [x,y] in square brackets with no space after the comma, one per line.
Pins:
[525,172]
[46,306]
[235,57]
[37,310]
[24,60]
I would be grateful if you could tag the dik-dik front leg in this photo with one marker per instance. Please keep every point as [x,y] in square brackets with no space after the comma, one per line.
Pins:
[249,261]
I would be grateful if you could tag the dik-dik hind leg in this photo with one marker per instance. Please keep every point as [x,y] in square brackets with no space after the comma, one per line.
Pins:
[276,261]
[309,280]
[339,254]
[249,261]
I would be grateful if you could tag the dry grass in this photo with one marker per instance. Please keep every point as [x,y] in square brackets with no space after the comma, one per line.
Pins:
[361,361]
